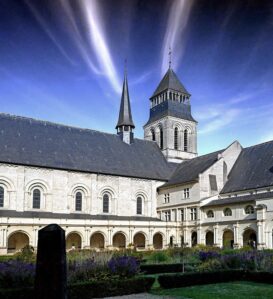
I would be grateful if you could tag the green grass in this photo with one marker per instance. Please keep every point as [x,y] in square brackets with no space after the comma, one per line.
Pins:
[232,290]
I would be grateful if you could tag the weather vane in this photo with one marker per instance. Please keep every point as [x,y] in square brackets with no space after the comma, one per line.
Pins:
[170,57]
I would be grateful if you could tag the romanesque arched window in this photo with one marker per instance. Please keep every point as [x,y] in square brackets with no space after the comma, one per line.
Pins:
[161,138]
[139,205]
[186,140]
[176,138]
[2,195]
[153,134]
[78,201]
[105,203]
[36,199]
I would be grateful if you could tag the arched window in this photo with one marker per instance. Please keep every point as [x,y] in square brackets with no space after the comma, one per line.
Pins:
[36,196]
[176,138]
[210,214]
[249,209]
[227,212]
[78,201]
[2,194]
[105,204]
[153,134]
[139,206]
[186,140]
[161,138]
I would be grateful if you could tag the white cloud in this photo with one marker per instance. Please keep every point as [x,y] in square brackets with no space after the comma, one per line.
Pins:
[221,120]
[174,36]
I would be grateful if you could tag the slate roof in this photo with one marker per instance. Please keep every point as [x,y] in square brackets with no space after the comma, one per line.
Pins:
[78,216]
[189,170]
[170,81]
[26,141]
[125,115]
[170,108]
[253,169]
[239,199]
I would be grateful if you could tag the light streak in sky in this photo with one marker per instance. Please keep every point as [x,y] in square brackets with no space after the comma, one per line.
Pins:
[175,33]
[98,41]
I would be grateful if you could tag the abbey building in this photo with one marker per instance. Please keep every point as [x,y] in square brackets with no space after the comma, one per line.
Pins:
[113,190]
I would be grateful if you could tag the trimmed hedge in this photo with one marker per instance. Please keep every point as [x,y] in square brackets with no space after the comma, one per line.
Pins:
[191,279]
[90,289]
[108,288]
[161,268]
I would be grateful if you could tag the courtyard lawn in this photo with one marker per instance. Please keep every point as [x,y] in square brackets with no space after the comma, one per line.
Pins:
[232,290]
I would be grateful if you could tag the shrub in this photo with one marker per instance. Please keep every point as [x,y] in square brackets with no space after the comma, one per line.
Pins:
[210,265]
[124,266]
[190,279]
[16,273]
[161,268]
[158,257]
[100,289]
[91,289]
[206,255]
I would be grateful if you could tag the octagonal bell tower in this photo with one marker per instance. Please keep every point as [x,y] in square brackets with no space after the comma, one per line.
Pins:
[171,124]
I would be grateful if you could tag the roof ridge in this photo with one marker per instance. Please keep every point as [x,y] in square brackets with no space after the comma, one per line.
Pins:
[52,123]
[259,144]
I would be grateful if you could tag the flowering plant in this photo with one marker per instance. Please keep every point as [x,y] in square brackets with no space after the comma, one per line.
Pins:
[16,273]
[124,266]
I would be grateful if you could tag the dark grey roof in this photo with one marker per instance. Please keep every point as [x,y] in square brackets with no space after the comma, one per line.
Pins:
[189,170]
[30,142]
[125,115]
[170,108]
[34,214]
[170,81]
[253,169]
[239,199]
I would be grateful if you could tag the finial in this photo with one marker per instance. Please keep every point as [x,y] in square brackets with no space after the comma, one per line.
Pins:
[125,66]
[170,57]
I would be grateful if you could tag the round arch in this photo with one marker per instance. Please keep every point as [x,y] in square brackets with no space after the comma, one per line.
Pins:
[80,188]
[97,240]
[250,237]
[17,241]
[209,238]
[73,241]
[119,240]
[158,241]
[193,238]
[139,240]
[228,238]
[37,184]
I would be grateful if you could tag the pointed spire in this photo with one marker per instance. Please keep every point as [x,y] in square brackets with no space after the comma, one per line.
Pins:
[125,115]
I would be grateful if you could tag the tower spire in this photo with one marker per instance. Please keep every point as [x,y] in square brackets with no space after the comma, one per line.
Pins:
[125,123]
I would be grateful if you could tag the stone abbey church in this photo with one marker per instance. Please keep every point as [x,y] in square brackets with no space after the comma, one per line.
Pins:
[113,190]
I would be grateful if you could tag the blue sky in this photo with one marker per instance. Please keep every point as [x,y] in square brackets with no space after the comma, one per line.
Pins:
[63,61]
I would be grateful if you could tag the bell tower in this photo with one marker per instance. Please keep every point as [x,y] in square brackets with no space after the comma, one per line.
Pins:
[171,124]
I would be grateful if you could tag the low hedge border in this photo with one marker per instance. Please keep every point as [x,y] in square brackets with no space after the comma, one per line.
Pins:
[161,268]
[90,289]
[191,279]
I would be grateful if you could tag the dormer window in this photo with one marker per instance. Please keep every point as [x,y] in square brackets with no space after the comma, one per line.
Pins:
[249,209]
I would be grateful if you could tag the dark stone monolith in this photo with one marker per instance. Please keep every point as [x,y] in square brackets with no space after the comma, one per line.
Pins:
[50,280]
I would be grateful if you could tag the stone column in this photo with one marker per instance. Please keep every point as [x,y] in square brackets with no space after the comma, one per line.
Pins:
[235,235]
[199,235]
[215,235]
